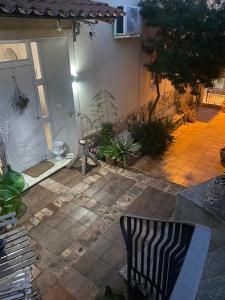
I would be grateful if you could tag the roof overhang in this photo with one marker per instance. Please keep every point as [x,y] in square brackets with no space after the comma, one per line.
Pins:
[60,9]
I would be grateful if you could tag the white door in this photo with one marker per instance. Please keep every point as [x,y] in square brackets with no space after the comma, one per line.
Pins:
[26,142]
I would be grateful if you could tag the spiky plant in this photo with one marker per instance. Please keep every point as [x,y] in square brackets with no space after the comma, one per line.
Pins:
[121,149]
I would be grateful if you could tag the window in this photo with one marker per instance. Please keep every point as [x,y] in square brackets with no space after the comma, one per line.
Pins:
[120,23]
[41,94]
[48,134]
[128,25]
[12,52]
[35,55]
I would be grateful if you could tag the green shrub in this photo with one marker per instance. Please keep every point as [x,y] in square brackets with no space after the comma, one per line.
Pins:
[101,139]
[122,149]
[10,200]
[154,137]
[106,134]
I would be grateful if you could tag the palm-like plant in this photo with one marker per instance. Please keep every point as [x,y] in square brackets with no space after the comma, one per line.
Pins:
[121,149]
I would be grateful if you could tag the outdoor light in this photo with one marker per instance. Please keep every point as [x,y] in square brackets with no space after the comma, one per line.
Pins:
[75,77]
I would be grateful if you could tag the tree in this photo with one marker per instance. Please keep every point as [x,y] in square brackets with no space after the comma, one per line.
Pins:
[188,44]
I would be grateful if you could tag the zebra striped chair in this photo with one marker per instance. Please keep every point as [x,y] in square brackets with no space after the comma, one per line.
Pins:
[165,260]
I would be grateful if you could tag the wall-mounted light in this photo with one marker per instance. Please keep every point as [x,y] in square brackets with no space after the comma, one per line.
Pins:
[75,77]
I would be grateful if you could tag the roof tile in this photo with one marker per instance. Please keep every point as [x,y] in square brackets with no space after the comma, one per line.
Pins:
[60,8]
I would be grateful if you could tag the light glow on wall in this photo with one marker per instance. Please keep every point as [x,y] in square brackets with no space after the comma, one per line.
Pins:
[35,55]
[44,108]
[73,69]
[48,134]
[75,86]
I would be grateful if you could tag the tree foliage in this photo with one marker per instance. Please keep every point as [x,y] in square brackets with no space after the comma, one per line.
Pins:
[188,44]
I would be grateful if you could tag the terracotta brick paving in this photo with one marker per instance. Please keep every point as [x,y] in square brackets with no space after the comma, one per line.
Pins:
[74,225]
[194,156]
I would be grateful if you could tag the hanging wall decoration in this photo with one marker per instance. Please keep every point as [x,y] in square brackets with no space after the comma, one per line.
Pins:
[19,101]
[3,161]
[4,133]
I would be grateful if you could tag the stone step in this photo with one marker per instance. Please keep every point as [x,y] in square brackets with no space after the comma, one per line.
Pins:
[215,264]
[212,285]
[212,289]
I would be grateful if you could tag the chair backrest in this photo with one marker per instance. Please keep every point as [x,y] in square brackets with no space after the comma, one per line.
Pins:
[156,251]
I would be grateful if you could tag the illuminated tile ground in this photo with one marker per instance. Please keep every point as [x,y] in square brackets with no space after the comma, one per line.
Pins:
[194,156]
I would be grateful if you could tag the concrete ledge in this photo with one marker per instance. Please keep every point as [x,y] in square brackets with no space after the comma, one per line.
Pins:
[190,208]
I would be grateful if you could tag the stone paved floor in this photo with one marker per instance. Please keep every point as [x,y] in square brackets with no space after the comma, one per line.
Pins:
[74,225]
[194,156]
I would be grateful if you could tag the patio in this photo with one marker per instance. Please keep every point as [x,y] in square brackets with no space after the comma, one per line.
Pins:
[73,222]
[194,156]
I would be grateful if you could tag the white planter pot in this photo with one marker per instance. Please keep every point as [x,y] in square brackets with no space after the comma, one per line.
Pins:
[58,149]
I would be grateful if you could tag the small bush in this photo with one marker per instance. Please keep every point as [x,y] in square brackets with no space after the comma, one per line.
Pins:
[106,133]
[101,139]
[154,137]
[122,149]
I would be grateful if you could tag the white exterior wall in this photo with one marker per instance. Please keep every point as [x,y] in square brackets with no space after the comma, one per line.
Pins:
[114,64]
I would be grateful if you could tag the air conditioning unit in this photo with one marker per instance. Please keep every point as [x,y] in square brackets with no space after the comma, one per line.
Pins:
[128,25]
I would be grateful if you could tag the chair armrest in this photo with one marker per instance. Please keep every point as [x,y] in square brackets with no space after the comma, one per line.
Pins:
[9,219]
[190,275]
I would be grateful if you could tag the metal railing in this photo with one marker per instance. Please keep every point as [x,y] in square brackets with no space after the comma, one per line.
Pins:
[155,254]
[214,97]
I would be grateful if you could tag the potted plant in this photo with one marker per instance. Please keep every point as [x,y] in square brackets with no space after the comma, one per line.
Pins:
[121,150]
[101,139]
[11,185]
[222,154]
[10,200]
[110,154]
[14,179]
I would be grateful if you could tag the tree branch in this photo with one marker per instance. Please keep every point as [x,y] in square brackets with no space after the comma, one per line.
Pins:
[152,108]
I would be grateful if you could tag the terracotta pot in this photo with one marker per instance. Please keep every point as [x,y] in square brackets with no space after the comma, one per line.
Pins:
[120,164]
[110,161]
[222,154]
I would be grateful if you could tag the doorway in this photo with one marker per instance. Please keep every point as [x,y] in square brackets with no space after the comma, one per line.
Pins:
[25,141]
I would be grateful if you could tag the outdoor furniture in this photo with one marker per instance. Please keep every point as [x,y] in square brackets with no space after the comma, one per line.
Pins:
[15,262]
[165,260]
[84,154]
